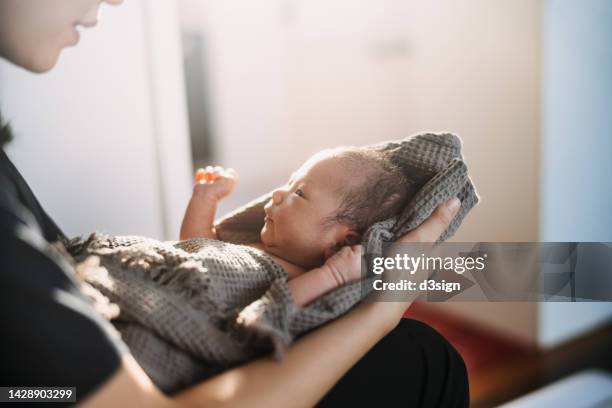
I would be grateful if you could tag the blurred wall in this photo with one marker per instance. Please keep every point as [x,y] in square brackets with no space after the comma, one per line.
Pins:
[102,139]
[290,77]
[576,146]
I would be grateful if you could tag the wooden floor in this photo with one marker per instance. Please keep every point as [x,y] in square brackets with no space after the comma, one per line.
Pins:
[500,370]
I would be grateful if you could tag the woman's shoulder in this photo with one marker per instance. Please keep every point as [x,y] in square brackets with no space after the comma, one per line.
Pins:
[17,200]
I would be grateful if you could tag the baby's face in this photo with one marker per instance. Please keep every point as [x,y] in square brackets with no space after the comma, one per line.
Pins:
[295,227]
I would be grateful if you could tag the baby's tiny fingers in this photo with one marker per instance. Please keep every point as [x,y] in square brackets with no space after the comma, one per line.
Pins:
[200,175]
[207,175]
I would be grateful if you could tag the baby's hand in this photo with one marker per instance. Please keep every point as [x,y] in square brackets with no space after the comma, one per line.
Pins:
[345,265]
[215,182]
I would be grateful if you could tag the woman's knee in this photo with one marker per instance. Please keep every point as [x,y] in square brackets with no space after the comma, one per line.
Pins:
[413,366]
[444,380]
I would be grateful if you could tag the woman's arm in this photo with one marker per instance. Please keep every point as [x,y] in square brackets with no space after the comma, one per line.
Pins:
[311,367]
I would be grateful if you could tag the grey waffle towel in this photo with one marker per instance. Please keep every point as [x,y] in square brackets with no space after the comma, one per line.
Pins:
[191,309]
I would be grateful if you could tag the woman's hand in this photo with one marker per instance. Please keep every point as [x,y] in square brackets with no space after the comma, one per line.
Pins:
[431,229]
[215,182]
[428,232]
[345,265]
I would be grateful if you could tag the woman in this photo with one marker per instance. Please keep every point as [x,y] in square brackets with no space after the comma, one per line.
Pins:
[52,337]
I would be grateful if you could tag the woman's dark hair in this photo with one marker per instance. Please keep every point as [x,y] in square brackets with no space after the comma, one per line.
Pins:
[379,189]
[5,132]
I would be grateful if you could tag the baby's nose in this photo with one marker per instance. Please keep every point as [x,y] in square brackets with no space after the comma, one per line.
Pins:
[277,197]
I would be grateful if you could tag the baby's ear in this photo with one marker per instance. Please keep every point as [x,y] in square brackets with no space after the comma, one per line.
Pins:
[351,238]
[333,249]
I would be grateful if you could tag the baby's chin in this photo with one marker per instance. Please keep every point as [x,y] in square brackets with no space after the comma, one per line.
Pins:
[292,255]
[265,240]
[269,246]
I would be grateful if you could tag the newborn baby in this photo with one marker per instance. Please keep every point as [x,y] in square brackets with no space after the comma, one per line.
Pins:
[314,223]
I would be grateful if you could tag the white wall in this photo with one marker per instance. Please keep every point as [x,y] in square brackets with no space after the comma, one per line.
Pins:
[292,77]
[246,61]
[576,145]
[102,139]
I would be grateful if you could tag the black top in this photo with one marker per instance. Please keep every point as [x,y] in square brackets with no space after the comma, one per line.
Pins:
[50,334]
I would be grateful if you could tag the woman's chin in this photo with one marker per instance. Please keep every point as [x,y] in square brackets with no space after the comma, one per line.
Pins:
[40,63]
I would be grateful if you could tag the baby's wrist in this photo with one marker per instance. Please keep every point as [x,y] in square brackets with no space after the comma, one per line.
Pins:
[201,191]
[332,276]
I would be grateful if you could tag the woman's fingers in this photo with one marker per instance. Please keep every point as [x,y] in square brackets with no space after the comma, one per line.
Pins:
[431,229]
[428,233]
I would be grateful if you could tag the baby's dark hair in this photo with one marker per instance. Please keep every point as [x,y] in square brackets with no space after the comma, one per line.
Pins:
[379,190]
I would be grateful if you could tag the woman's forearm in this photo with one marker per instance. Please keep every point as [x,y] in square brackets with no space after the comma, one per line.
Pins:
[310,368]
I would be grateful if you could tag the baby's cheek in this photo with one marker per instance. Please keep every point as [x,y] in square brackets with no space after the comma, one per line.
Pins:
[291,236]
[314,243]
